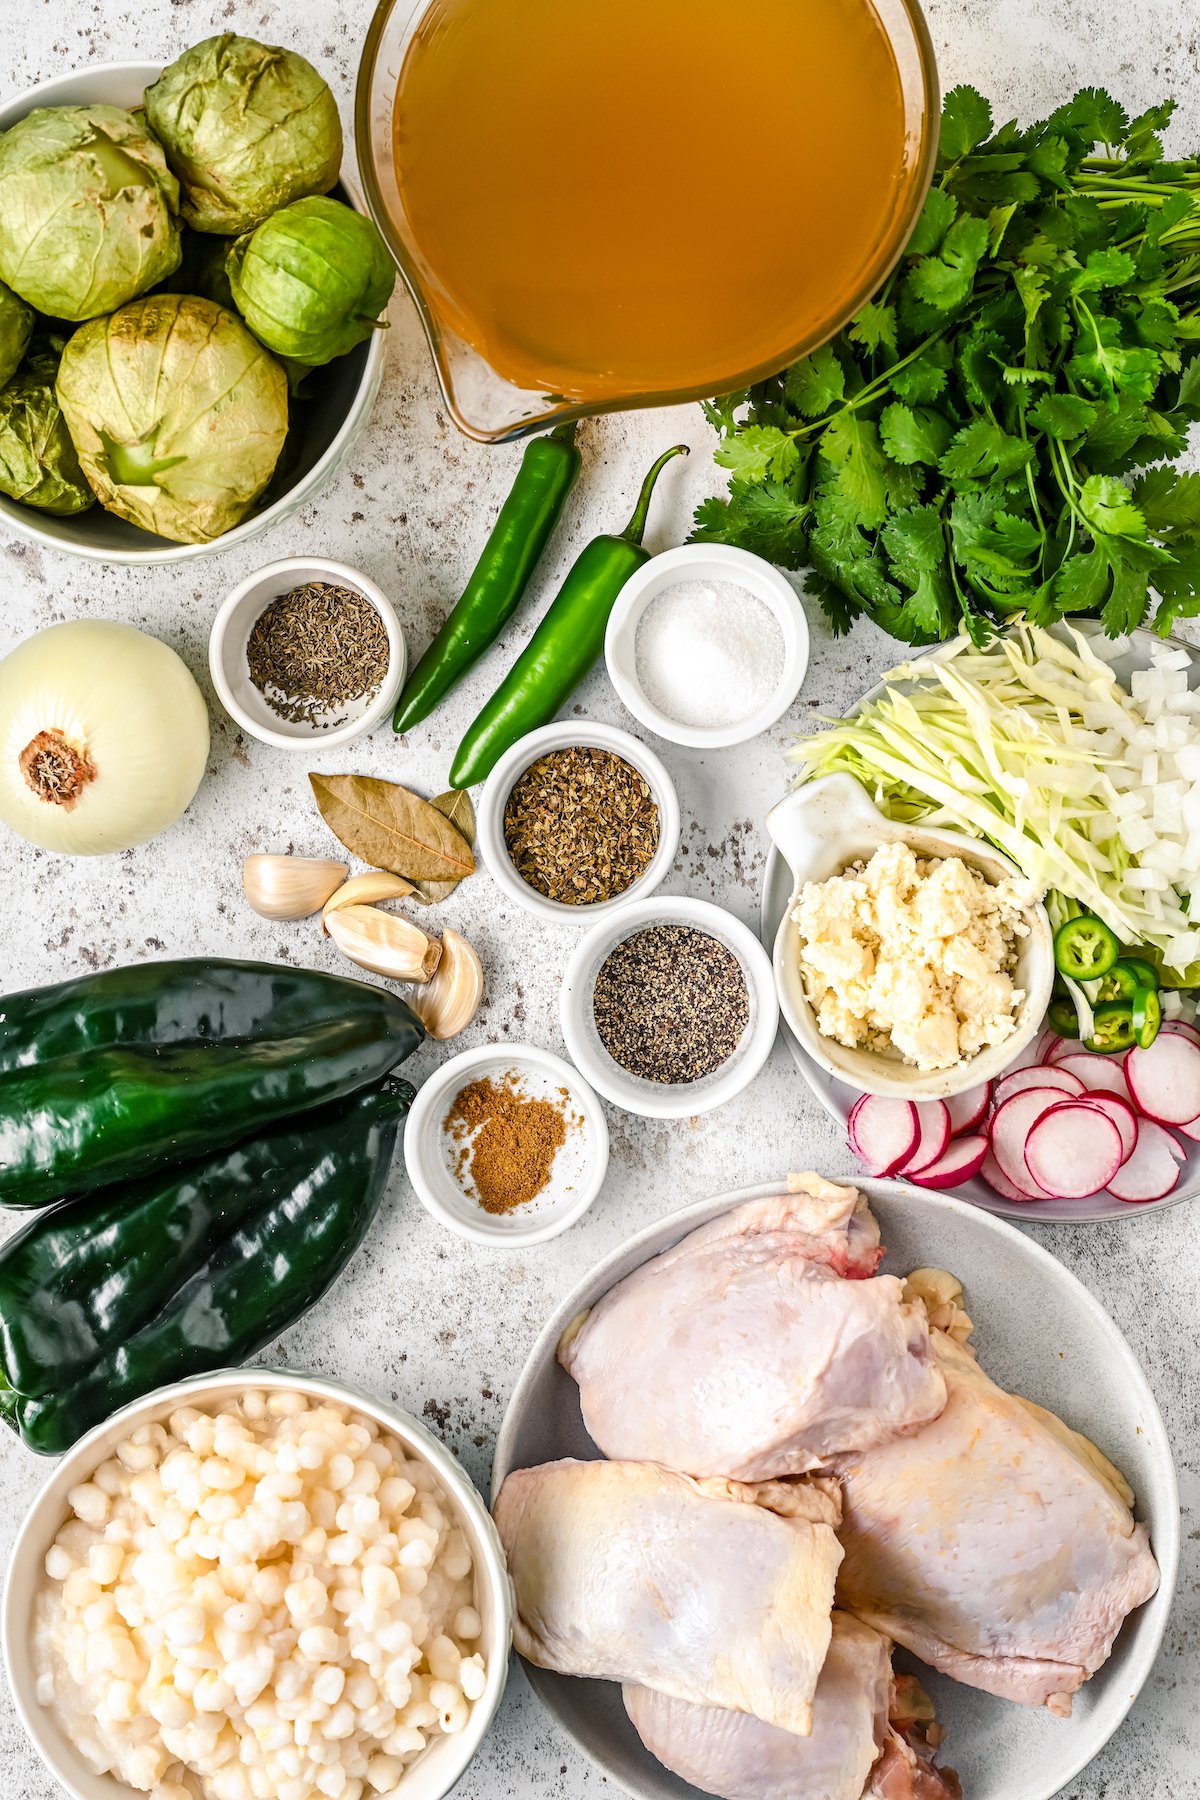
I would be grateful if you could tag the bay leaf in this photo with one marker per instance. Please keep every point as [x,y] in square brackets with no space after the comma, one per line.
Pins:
[390,828]
[455,805]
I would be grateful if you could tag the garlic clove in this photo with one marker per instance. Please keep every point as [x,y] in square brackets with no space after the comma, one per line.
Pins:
[448,1003]
[290,887]
[386,945]
[362,890]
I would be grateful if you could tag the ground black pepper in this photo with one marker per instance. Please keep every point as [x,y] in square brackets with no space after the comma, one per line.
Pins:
[671,1003]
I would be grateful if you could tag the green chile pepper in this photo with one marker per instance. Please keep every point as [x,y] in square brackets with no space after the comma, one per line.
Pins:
[1147,1016]
[1113,1028]
[564,646]
[105,1299]
[1062,1017]
[78,1121]
[1085,948]
[500,577]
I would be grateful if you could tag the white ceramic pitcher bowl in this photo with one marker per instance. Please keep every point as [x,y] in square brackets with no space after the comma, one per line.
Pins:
[819,830]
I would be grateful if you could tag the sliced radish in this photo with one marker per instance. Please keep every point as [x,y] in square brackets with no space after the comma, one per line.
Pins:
[1095,1073]
[1011,1125]
[883,1132]
[995,1177]
[1123,1117]
[1061,1047]
[1181,1028]
[1035,1051]
[967,1109]
[1073,1150]
[1191,1130]
[1017,1080]
[1153,1169]
[1165,1079]
[933,1125]
[964,1158]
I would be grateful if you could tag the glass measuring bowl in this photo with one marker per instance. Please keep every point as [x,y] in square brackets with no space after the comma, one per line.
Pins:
[487,405]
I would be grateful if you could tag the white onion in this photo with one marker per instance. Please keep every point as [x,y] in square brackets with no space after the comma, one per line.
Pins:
[103,737]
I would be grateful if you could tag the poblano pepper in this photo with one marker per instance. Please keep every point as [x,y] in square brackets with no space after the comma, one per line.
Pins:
[132,1084]
[106,1298]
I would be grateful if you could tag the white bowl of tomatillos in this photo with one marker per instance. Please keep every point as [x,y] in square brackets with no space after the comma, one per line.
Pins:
[506,1145]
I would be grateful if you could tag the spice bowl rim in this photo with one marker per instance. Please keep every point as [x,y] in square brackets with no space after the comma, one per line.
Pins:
[48,1511]
[424,1123]
[226,648]
[743,569]
[682,1099]
[570,734]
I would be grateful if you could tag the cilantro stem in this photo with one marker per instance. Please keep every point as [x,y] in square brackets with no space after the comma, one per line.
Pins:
[876,386]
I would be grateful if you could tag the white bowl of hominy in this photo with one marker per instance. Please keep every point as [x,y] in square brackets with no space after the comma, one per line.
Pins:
[203,1571]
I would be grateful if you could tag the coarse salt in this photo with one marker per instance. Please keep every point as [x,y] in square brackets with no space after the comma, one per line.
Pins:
[708,653]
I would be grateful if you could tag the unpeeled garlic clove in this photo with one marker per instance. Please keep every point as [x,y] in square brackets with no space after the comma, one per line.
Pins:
[448,1003]
[383,943]
[290,887]
[362,890]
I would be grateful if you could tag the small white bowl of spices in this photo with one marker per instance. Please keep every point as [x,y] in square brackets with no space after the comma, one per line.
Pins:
[707,645]
[506,1145]
[669,1007]
[307,653]
[577,819]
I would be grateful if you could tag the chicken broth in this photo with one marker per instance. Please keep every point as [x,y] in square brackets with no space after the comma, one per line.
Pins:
[574,192]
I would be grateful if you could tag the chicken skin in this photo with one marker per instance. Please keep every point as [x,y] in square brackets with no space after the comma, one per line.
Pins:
[757,1347]
[996,1543]
[711,1591]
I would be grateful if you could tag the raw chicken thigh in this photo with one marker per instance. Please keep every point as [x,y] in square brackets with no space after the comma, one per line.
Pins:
[852,1752]
[745,1350]
[712,1591]
[996,1543]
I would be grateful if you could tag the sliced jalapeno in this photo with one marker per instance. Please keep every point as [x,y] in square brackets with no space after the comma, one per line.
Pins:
[1121,982]
[1062,1018]
[1113,1028]
[1085,948]
[1147,1016]
[1145,973]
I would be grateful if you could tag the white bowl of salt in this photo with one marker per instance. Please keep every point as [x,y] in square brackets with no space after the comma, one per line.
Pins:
[707,645]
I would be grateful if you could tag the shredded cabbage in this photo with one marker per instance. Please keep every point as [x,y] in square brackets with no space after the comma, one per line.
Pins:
[1032,743]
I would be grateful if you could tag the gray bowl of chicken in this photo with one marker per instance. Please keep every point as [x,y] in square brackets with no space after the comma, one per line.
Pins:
[817,1468]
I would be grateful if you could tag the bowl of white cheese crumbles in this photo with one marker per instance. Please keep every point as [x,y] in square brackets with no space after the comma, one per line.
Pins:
[258,1585]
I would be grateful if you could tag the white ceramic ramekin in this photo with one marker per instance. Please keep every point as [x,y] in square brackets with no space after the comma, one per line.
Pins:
[567,735]
[434,1774]
[579,1166]
[334,417]
[231,674]
[651,1099]
[706,562]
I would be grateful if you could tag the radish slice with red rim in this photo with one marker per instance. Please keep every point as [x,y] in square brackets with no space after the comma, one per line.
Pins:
[933,1126]
[1096,1074]
[964,1158]
[967,1109]
[995,1177]
[1165,1079]
[1191,1130]
[1017,1080]
[1073,1150]
[1011,1125]
[883,1132]
[1123,1117]
[1061,1047]
[1153,1170]
[1182,1029]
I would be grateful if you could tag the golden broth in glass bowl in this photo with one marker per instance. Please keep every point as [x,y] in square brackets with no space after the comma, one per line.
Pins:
[606,203]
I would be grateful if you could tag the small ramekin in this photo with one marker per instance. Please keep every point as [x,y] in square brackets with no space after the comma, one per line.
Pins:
[568,735]
[706,562]
[230,634]
[652,1099]
[429,1778]
[579,1167]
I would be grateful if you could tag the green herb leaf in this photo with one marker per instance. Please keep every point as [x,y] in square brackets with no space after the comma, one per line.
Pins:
[945,280]
[937,215]
[875,327]
[1169,502]
[966,123]
[758,452]
[984,449]
[1062,416]
[918,436]
[815,385]
[765,518]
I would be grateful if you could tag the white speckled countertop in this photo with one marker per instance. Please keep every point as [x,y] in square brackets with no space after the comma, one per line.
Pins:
[439,1325]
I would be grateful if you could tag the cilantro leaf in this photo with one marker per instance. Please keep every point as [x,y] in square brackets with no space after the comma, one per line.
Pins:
[1169,502]
[722,412]
[875,327]
[816,384]
[944,280]
[1062,416]
[1001,551]
[759,452]
[866,478]
[1189,386]
[978,365]
[966,123]
[925,378]
[1093,116]
[1101,361]
[914,436]
[763,517]
[916,544]
[1179,584]
[1109,508]
[937,216]
[1103,269]
[984,449]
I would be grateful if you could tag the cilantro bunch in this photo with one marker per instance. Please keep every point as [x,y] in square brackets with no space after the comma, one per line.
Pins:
[963,449]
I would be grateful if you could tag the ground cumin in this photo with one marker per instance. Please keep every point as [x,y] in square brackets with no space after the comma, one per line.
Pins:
[506,1141]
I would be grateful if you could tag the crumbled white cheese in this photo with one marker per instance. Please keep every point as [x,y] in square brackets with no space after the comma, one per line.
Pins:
[912,954]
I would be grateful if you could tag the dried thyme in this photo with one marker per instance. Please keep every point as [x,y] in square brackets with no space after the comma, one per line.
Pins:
[316,649]
[581,825]
[671,1003]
